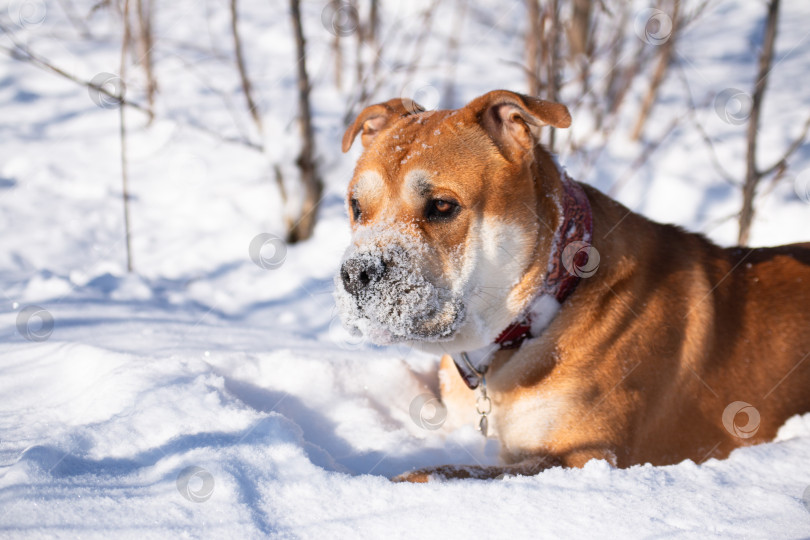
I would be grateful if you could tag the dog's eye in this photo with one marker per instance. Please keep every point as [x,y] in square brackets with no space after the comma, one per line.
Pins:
[440,209]
[355,209]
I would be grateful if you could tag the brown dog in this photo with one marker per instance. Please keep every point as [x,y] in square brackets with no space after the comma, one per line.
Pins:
[586,330]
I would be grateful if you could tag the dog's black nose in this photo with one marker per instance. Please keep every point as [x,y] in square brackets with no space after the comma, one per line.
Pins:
[358,273]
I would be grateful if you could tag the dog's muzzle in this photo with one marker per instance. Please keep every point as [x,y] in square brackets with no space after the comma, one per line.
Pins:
[386,291]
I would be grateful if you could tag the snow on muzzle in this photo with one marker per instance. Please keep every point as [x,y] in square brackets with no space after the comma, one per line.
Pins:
[390,288]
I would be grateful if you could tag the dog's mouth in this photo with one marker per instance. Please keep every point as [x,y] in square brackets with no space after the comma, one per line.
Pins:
[385,295]
[394,310]
[405,328]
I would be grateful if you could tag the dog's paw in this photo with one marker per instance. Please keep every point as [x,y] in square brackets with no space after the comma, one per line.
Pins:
[414,477]
[447,472]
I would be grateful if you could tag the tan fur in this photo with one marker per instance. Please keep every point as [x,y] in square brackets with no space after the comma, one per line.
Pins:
[643,358]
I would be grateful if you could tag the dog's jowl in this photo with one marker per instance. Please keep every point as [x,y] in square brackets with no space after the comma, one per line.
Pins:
[592,331]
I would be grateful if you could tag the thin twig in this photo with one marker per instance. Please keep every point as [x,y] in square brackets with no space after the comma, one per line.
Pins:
[781,163]
[422,38]
[533,41]
[310,180]
[23,54]
[453,52]
[145,55]
[123,136]
[553,74]
[373,34]
[752,173]
[240,64]
[77,22]
[660,72]
[718,166]
[282,190]
[644,156]
[531,76]
[359,34]
[337,48]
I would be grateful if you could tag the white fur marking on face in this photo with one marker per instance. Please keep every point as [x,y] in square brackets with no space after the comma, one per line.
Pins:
[369,185]
[503,260]
[494,259]
[417,186]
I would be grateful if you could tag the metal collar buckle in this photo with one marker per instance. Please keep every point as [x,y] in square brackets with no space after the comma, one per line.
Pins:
[483,404]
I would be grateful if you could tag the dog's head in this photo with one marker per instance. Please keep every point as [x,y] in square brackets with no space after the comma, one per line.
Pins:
[452,214]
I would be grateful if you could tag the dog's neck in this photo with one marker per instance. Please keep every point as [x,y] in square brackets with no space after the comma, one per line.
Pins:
[567,258]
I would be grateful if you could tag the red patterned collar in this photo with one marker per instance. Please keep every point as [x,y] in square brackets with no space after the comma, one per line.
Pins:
[567,264]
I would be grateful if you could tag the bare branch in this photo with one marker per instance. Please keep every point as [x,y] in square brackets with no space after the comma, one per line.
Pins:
[718,166]
[753,175]
[123,138]
[453,43]
[781,163]
[534,39]
[288,222]
[644,156]
[145,54]
[240,64]
[358,32]
[338,51]
[77,22]
[313,185]
[535,84]
[22,53]
[425,26]
[664,60]
[579,28]
[553,65]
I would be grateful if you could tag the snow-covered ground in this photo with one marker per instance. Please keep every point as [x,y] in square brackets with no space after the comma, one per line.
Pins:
[204,396]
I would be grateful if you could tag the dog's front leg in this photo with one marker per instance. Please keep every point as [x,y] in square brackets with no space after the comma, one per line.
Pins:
[527,467]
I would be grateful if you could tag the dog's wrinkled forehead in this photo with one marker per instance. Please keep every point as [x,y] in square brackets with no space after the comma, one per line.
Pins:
[421,141]
[413,133]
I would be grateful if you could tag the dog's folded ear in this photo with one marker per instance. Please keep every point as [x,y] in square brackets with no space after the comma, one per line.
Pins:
[513,120]
[375,118]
